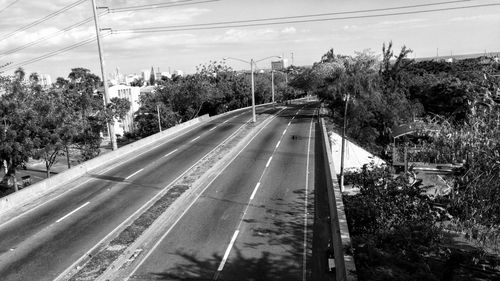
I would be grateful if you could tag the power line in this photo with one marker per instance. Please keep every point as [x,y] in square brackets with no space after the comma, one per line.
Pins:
[54,53]
[159,5]
[6,7]
[279,20]
[347,12]
[47,37]
[39,21]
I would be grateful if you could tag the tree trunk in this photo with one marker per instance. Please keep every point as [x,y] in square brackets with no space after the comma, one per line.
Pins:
[67,157]
[47,171]
[12,174]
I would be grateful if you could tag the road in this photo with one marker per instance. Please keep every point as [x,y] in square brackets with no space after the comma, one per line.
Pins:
[42,243]
[254,222]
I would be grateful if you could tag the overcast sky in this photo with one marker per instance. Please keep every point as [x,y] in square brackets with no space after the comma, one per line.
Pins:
[459,31]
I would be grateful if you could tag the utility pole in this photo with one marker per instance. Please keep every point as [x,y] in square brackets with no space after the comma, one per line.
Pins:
[343,145]
[111,128]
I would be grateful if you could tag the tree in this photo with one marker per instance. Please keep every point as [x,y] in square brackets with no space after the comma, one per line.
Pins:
[18,127]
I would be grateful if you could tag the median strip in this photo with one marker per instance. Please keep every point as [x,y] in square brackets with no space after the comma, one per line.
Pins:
[115,249]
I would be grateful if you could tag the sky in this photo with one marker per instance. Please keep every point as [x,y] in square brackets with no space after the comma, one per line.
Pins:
[305,28]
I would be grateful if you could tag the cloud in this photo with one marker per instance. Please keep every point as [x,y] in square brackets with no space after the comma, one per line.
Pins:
[399,22]
[475,18]
[289,30]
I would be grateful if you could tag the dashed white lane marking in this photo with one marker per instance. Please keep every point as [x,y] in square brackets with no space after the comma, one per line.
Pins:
[269,161]
[278,144]
[289,124]
[284,132]
[195,138]
[228,250]
[75,210]
[168,154]
[212,128]
[254,191]
[138,171]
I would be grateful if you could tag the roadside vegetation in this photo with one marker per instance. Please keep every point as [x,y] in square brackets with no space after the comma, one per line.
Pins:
[399,232]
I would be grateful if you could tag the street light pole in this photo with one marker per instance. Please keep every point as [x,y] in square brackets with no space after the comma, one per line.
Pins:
[111,128]
[253,93]
[272,85]
[159,120]
[252,62]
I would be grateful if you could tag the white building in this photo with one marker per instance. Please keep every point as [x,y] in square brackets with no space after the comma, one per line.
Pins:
[131,94]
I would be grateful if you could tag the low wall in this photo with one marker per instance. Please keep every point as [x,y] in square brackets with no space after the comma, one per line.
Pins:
[341,240]
[44,187]
[28,194]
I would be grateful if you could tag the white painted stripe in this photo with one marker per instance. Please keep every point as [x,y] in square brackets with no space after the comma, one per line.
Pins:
[170,153]
[284,132]
[304,254]
[254,191]
[195,138]
[212,128]
[228,250]
[139,264]
[134,174]
[289,123]
[269,161]
[278,144]
[75,210]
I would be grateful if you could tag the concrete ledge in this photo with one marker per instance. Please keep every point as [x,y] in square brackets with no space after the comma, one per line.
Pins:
[27,195]
[39,189]
[341,240]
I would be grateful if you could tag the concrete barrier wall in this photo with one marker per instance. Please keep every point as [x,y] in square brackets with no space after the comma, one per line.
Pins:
[35,191]
[341,240]
[39,189]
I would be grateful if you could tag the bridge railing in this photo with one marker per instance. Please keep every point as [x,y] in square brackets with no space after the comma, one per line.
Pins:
[345,269]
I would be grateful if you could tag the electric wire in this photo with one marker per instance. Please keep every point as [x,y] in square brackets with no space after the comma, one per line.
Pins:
[54,53]
[159,5]
[276,21]
[39,21]
[6,7]
[49,36]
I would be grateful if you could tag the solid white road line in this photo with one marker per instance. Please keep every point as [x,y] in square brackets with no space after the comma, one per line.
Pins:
[195,138]
[254,191]
[228,250]
[170,153]
[151,250]
[269,161]
[304,254]
[140,170]
[72,212]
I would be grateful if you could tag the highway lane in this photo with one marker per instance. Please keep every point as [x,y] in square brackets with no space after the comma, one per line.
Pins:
[274,240]
[228,234]
[42,243]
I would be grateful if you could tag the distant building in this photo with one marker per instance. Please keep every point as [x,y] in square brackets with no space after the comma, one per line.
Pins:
[131,94]
[179,73]
[44,80]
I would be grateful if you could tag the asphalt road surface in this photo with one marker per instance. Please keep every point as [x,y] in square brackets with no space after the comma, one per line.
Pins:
[255,221]
[41,244]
